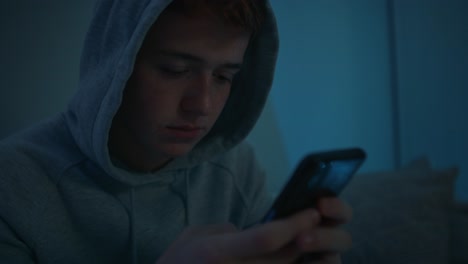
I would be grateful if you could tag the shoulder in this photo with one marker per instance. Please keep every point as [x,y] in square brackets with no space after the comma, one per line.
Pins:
[24,186]
[47,145]
[35,156]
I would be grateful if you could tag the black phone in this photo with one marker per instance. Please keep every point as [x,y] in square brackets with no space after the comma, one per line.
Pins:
[317,175]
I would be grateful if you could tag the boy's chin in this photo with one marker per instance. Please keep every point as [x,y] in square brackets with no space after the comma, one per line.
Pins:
[177,150]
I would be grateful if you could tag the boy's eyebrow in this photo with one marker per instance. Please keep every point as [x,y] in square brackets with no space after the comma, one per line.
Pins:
[194,58]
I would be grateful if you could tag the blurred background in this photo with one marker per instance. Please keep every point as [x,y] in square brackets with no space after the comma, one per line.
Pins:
[390,76]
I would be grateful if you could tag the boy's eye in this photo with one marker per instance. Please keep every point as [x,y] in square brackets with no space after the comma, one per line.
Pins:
[224,78]
[174,71]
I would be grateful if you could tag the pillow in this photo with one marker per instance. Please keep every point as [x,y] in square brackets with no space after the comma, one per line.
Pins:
[459,233]
[401,216]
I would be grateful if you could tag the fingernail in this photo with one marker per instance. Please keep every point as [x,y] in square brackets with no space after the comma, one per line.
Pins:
[306,241]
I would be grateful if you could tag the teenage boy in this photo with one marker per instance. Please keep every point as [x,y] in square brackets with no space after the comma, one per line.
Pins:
[148,163]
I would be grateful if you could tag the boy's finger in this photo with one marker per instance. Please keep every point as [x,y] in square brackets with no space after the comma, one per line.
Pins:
[335,209]
[325,239]
[269,237]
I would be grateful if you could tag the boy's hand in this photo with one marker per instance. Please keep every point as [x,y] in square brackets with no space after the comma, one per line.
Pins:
[280,241]
[330,239]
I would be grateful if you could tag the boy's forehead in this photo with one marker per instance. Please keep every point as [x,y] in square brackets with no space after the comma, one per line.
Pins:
[175,37]
[173,29]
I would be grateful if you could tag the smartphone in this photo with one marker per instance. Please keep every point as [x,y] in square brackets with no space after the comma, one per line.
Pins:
[317,175]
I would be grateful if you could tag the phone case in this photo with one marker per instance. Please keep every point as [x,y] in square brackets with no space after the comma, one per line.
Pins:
[317,175]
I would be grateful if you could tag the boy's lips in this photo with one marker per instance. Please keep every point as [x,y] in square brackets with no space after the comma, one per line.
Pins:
[185,131]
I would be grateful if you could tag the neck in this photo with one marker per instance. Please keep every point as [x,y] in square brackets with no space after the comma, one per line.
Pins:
[122,147]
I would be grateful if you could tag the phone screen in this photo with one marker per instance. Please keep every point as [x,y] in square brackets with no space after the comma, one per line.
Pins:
[317,175]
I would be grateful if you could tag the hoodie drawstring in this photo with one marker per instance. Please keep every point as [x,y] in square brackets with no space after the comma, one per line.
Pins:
[187,198]
[183,193]
[133,245]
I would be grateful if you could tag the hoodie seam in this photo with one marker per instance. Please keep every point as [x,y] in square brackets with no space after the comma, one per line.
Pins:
[55,183]
[70,166]
[18,237]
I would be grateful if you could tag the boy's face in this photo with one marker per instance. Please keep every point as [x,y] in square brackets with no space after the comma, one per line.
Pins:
[180,83]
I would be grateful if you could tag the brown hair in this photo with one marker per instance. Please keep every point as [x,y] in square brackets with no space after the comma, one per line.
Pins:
[247,14]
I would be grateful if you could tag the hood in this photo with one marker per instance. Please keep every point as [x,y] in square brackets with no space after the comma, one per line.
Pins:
[115,36]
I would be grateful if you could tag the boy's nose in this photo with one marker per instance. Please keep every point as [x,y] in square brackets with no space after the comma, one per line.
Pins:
[198,99]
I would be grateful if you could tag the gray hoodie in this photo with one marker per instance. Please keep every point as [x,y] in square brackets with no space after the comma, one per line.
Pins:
[62,199]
